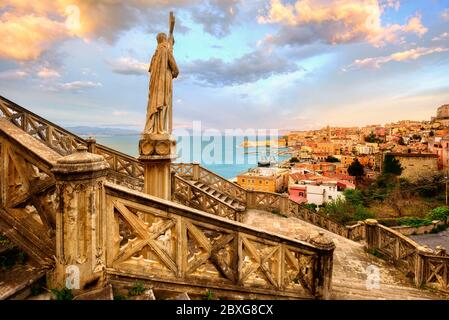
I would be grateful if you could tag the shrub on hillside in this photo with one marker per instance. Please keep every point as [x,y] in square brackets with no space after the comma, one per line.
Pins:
[354,196]
[414,221]
[439,213]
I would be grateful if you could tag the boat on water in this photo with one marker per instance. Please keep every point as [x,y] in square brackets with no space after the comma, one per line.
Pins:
[264,162]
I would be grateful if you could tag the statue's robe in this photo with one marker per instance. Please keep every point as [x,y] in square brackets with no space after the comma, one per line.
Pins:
[162,70]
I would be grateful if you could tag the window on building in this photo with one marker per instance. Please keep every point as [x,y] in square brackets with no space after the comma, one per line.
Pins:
[243,180]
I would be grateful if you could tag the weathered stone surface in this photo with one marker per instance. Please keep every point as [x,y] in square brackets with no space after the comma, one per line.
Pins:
[42,296]
[17,279]
[81,164]
[182,296]
[147,295]
[97,294]
[433,239]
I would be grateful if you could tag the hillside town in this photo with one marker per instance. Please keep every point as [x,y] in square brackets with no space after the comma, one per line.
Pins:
[324,162]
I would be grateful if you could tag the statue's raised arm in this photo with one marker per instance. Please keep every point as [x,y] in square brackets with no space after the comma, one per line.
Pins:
[171,23]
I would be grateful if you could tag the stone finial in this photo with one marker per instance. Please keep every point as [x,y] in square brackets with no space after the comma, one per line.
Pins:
[440,251]
[322,241]
[79,163]
[371,222]
[424,249]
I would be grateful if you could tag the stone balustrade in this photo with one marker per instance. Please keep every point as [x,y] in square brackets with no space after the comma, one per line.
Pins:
[166,243]
[185,193]
[425,266]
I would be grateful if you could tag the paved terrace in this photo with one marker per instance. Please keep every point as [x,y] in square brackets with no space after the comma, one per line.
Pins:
[433,239]
[350,262]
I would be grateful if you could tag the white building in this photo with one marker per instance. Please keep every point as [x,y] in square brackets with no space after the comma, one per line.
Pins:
[320,194]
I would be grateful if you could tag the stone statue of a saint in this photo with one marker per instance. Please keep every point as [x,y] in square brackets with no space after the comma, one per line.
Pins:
[163,70]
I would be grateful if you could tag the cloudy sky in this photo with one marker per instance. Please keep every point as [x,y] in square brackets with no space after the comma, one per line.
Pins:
[244,63]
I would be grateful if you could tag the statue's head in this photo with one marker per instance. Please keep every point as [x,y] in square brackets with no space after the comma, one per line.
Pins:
[161,37]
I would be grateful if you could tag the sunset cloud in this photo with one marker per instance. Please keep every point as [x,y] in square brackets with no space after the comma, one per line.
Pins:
[337,21]
[26,37]
[129,66]
[248,68]
[28,28]
[47,73]
[412,54]
[443,36]
[74,86]
[13,74]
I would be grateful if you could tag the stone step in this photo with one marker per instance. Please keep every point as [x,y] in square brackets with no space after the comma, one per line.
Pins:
[218,195]
[198,184]
[343,289]
[16,283]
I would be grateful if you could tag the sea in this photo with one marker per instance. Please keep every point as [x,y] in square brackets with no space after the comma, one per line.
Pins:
[224,155]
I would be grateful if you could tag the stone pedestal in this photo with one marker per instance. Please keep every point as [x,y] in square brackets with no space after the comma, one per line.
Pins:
[79,222]
[421,252]
[157,151]
[323,279]
[372,234]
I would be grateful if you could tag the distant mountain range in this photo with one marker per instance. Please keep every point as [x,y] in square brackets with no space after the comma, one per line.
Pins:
[94,131]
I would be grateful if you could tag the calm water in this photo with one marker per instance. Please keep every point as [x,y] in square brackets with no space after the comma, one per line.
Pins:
[223,155]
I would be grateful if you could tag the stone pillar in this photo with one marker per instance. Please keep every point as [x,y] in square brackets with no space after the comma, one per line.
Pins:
[284,204]
[80,217]
[196,172]
[91,144]
[372,234]
[324,265]
[157,151]
[421,251]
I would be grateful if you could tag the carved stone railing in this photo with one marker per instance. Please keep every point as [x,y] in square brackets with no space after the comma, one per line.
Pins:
[222,185]
[167,243]
[267,201]
[193,171]
[185,193]
[185,170]
[27,193]
[425,266]
[50,134]
[125,169]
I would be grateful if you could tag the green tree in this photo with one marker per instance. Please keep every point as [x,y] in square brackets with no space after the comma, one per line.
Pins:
[391,165]
[332,159]
[293,159]
[353,196]
[356,169]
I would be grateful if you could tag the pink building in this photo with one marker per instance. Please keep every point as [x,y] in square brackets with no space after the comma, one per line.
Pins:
[298,193]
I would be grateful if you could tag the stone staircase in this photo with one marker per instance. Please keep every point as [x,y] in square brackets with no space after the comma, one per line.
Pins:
[357,290]
[18,274]
[217,195]
[349,277]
